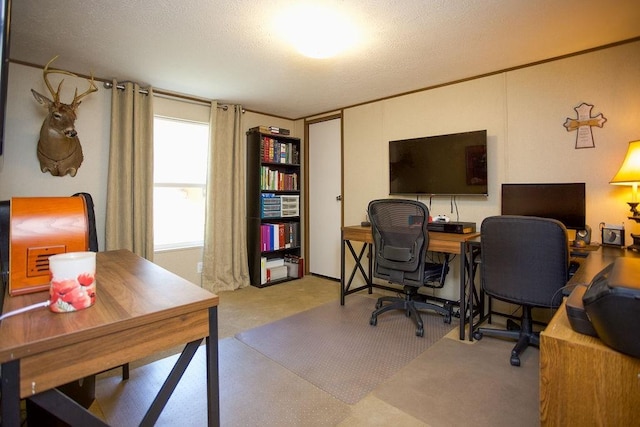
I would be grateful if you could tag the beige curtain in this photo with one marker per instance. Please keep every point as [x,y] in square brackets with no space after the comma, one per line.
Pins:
[129,221]
[225,264]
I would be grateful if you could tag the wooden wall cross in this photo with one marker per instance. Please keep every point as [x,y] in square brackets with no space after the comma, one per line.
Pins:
[583,124]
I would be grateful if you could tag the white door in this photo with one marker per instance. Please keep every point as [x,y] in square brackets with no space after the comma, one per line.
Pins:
[325,205]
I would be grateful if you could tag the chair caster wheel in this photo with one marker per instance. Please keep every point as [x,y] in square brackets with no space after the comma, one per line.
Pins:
[373,321]
[515,361]
[477,335]
[420,332]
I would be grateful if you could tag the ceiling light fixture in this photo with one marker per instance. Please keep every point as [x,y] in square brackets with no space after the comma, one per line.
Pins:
[316,31]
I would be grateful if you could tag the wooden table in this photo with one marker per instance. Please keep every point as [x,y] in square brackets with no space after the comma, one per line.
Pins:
[582,380]
[449,243]
[140,309]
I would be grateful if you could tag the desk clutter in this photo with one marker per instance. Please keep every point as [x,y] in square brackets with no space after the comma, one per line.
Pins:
[452,227]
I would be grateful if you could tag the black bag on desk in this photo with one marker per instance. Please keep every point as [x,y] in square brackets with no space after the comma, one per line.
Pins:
[612,302]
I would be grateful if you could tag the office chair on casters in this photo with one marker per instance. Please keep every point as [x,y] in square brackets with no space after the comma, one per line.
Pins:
[525,261]
[401,241]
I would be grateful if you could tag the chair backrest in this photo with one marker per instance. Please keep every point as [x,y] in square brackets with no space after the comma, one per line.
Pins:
[5,210]
[91,220]
[401,239]
[525,259]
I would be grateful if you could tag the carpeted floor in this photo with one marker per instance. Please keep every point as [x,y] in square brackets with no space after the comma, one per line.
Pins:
[449,383]
[488,390]
[335,348]
[253,391]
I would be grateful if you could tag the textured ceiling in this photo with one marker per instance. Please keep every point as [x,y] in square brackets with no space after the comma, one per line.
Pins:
[230,50]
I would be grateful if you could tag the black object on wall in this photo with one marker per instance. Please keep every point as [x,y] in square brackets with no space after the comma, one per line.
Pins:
[441,165]
[5,27]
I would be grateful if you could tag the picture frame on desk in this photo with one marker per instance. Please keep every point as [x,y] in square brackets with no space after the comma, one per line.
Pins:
[612,235]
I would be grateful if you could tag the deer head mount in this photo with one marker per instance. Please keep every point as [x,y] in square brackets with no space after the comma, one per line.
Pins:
[59,149]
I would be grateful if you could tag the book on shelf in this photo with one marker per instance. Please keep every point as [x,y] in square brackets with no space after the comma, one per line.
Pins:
[295,266]
[271,129]
[263,270]
[274,262]
[274,179]
[278,236]
[278,130]
[277,273]
[274,151]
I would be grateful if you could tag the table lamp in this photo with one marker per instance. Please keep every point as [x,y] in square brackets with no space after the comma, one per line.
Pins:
[629,174]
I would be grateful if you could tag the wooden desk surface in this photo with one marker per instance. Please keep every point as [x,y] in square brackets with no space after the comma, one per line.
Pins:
[140,309]
[438,242]
[582,380]
[596,261]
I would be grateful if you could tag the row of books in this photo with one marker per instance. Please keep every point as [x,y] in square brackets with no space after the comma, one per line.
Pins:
[274,151]
[279,206]
[278,236]
[273,179]
[281,268]
[271,129]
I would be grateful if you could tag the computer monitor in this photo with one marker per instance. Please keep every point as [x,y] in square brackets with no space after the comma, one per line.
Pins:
[564,202]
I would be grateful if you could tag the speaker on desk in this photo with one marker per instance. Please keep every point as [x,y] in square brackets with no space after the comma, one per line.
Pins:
[583,237]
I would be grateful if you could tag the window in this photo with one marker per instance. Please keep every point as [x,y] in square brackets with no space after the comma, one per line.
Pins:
[181,150]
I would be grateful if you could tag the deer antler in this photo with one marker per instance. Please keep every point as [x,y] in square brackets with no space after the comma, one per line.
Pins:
[92,88]
[45,73]
[56,94]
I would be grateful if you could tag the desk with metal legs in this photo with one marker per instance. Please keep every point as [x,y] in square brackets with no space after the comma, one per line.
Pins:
[140,309]
[448,243]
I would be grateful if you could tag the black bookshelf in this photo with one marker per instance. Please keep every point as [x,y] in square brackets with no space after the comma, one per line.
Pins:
[273,202]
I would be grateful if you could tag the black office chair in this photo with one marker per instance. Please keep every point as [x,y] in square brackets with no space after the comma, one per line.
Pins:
[525,261]
[401,241]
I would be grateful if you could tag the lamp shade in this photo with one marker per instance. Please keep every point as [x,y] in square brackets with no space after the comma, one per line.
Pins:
[629,172]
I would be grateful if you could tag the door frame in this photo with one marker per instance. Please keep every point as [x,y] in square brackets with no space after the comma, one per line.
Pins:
[307,122]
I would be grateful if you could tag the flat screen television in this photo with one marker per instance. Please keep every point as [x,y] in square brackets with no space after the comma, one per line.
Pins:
[565,202]
[442,165]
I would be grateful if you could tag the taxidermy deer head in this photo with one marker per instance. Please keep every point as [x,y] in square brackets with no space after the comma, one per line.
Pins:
[59,149]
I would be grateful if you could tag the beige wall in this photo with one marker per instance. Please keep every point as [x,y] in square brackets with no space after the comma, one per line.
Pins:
[19,168]
[523,112]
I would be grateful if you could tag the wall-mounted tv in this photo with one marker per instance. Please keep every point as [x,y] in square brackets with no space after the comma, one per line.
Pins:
[442,165]
[565,202]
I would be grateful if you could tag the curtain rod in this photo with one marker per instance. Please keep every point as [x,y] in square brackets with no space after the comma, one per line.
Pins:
[109,85]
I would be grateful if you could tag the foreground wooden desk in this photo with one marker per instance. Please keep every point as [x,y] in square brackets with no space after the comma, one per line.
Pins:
[583,382]
[449,243]
[140,309]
